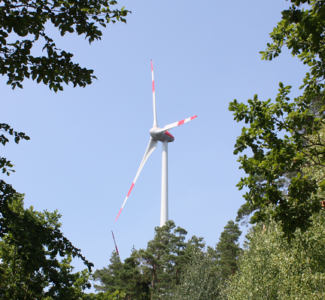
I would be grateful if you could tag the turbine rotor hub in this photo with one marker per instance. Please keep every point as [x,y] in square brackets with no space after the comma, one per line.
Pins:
[162,136]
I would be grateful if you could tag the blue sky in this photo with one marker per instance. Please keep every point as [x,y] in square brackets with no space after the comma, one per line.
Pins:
[87,143]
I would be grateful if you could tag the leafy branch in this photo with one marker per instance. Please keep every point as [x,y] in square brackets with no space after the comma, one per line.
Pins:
[28,18]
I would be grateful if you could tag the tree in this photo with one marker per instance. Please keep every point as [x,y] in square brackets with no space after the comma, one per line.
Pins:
[122,276]
[28,19]
[284,135]
[206,272]
[151,273]
[35,260]
[30,249]
[104,296]
[6,190]
[200,280]
[227,250]
[107,275]
[273,268]
[164,259]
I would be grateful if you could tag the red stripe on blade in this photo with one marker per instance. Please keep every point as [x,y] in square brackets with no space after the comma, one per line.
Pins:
[193,117]
[180,122]
[130,190]
[118,214]
[153,86]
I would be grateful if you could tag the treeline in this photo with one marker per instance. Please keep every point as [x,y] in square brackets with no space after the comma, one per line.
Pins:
[268,267]
[36,263]
[173,268]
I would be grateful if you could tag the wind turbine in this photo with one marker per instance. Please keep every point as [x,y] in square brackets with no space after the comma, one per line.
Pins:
[162,135]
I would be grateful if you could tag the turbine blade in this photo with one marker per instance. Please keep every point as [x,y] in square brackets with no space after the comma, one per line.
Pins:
[115,244]
[172,125]
[155,123]
[151,147]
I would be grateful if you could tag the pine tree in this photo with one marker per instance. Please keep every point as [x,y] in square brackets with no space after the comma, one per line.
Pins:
[194,245]
[125,277]
[106,276]
[163,260]
[134,283]
[227,250]
[151,273]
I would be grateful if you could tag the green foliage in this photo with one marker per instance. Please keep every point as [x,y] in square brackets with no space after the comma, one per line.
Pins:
[27,20]
[6,190]
[35,259]
[200,280]
[173,268]
[302,31]
[4,163]
[228,250]
[244,212]
[205,273]
[108,276]
[30,246]
[273,268]
[165,258]
[151,273]
[104,296]
[284,135]
[122,276]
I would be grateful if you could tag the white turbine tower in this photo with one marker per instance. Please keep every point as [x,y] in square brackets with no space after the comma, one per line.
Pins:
[162,135]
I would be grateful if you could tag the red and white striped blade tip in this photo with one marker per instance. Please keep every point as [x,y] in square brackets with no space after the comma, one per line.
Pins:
[118,214]
[186,120]
[127,196]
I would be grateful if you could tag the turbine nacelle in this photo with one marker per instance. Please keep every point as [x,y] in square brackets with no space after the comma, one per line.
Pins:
[158,134]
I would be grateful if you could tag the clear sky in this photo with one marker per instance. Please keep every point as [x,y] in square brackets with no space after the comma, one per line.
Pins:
[87,143]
